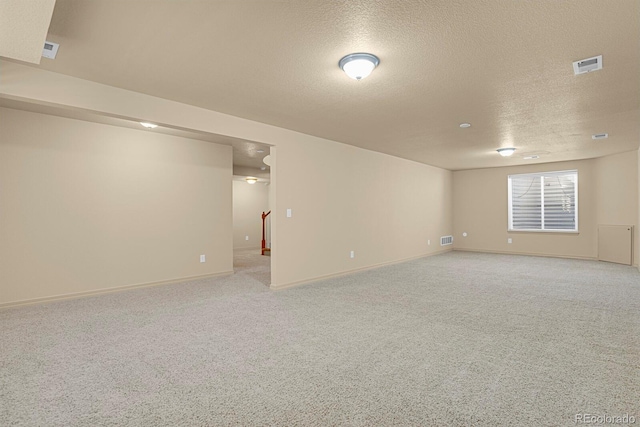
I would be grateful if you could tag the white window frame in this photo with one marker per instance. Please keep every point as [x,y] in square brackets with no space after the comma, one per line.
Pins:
[541,230]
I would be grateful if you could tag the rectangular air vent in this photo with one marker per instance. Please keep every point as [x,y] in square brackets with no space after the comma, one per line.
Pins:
[600,136]
[446,240]
[50,50]
[587,65]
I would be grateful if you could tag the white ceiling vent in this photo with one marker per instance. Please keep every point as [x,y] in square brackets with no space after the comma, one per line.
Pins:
[50,50]
[587,65]
[600,136]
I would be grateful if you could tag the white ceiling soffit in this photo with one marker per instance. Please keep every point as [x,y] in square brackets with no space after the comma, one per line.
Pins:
[245,153]
[23,28]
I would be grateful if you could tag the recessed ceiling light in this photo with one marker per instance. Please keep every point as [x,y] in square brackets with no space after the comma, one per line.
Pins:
[149,125]
[358,65]
[260,151]
[263,168]
[465,125]
[531,157]
[506,152]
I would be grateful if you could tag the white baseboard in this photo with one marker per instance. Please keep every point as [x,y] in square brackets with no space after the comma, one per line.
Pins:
[486,251]
[356,270]
[107,290]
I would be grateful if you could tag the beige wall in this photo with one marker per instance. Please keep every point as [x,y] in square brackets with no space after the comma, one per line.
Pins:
[607,194]
[249,201]
[343,198]
[617,192]
[87,207]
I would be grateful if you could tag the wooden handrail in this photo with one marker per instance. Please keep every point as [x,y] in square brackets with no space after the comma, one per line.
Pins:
[264,242]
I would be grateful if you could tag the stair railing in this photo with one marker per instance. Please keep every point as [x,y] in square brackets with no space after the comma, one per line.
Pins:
[264,235]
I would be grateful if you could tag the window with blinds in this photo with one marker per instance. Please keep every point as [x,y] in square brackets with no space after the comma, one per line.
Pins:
[544,201]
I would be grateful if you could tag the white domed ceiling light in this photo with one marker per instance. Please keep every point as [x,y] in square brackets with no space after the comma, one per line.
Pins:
[267,160]
[251,180]
[506,152]
[359,65]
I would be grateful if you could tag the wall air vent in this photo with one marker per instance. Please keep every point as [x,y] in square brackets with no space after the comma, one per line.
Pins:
[50,50]
[446,240]
[600,136]
[587,65]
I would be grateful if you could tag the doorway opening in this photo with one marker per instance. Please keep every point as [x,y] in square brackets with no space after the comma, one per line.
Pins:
[251,211]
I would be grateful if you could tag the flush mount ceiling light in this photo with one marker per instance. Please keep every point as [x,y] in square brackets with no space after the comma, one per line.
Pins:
[251,180]
[358,65]
[506,152]
[149,125]
[465,125]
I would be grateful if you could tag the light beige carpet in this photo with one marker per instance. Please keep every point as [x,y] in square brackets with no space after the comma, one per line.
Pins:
[250,262]
[457,339]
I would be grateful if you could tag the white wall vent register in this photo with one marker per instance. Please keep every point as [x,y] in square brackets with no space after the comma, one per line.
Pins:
[50,50]
[587,65]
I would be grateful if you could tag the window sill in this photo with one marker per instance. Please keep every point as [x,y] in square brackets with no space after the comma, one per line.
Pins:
[544,231]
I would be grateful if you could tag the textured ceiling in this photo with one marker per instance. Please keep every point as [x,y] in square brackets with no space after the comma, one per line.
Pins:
[23,28]
[505,66]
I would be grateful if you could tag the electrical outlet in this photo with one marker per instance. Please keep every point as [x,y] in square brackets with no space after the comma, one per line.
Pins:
[429,242]
[289,213]
[353,254]
[203,258]
[509,240]
[246,237]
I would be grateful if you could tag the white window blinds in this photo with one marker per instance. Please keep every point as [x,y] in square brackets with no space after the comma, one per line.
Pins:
[544,201]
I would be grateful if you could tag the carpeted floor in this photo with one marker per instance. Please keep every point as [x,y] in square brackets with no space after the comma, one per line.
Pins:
[456,339]
[250,262]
